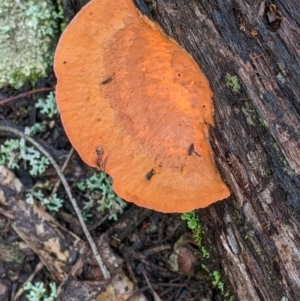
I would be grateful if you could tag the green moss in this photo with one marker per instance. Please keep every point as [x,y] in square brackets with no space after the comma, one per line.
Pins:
[28,31]
[153,6]
[198,232]
[248,112]
[276,147]
[281,157]
[251,115]
[254,244]
[232,82]
[264,123]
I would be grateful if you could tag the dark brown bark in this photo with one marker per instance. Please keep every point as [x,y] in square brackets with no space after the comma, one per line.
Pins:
[254,235]
[58,248]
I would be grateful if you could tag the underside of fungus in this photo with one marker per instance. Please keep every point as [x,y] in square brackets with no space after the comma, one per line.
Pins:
[137,106]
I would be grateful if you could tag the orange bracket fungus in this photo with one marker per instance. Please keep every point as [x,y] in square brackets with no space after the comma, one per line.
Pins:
[136,105]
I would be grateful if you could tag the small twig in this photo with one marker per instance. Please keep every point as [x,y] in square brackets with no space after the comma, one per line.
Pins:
[102,220]
[168,284]
[67,217]
[157,249]
[55,188]
[102,266]
[145,288]
[142,258]
[137,292]
[154,294]
[78,264]
[257,56]
[6,228]
[129,267]
[26,94]
[29,279]
[7,214]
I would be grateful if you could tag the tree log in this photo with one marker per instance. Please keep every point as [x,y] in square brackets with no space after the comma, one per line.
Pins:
[250,52]
[256,140]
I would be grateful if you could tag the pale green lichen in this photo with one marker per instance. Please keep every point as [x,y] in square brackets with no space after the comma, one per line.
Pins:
[48,105]
[37,292]
[108,201]
[14,151]
[28,31]
[232,82]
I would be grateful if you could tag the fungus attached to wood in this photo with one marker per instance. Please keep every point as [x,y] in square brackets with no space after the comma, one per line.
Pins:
[127,89]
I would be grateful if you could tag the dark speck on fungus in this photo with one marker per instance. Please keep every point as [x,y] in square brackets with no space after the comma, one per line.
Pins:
[137,128]
[150,174]
[99,151]
[107,81]
[191,149]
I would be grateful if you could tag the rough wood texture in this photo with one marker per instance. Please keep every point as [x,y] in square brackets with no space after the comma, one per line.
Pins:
[58,248]
[255,234]
[256,141]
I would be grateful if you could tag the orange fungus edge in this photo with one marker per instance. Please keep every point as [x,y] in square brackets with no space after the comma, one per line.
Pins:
[128,90]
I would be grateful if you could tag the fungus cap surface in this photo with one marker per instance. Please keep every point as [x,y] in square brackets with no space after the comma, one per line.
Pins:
[135,104]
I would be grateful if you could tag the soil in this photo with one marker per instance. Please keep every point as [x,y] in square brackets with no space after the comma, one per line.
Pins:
[145,239]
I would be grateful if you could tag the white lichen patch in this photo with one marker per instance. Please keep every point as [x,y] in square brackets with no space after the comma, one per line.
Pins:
[28,31]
